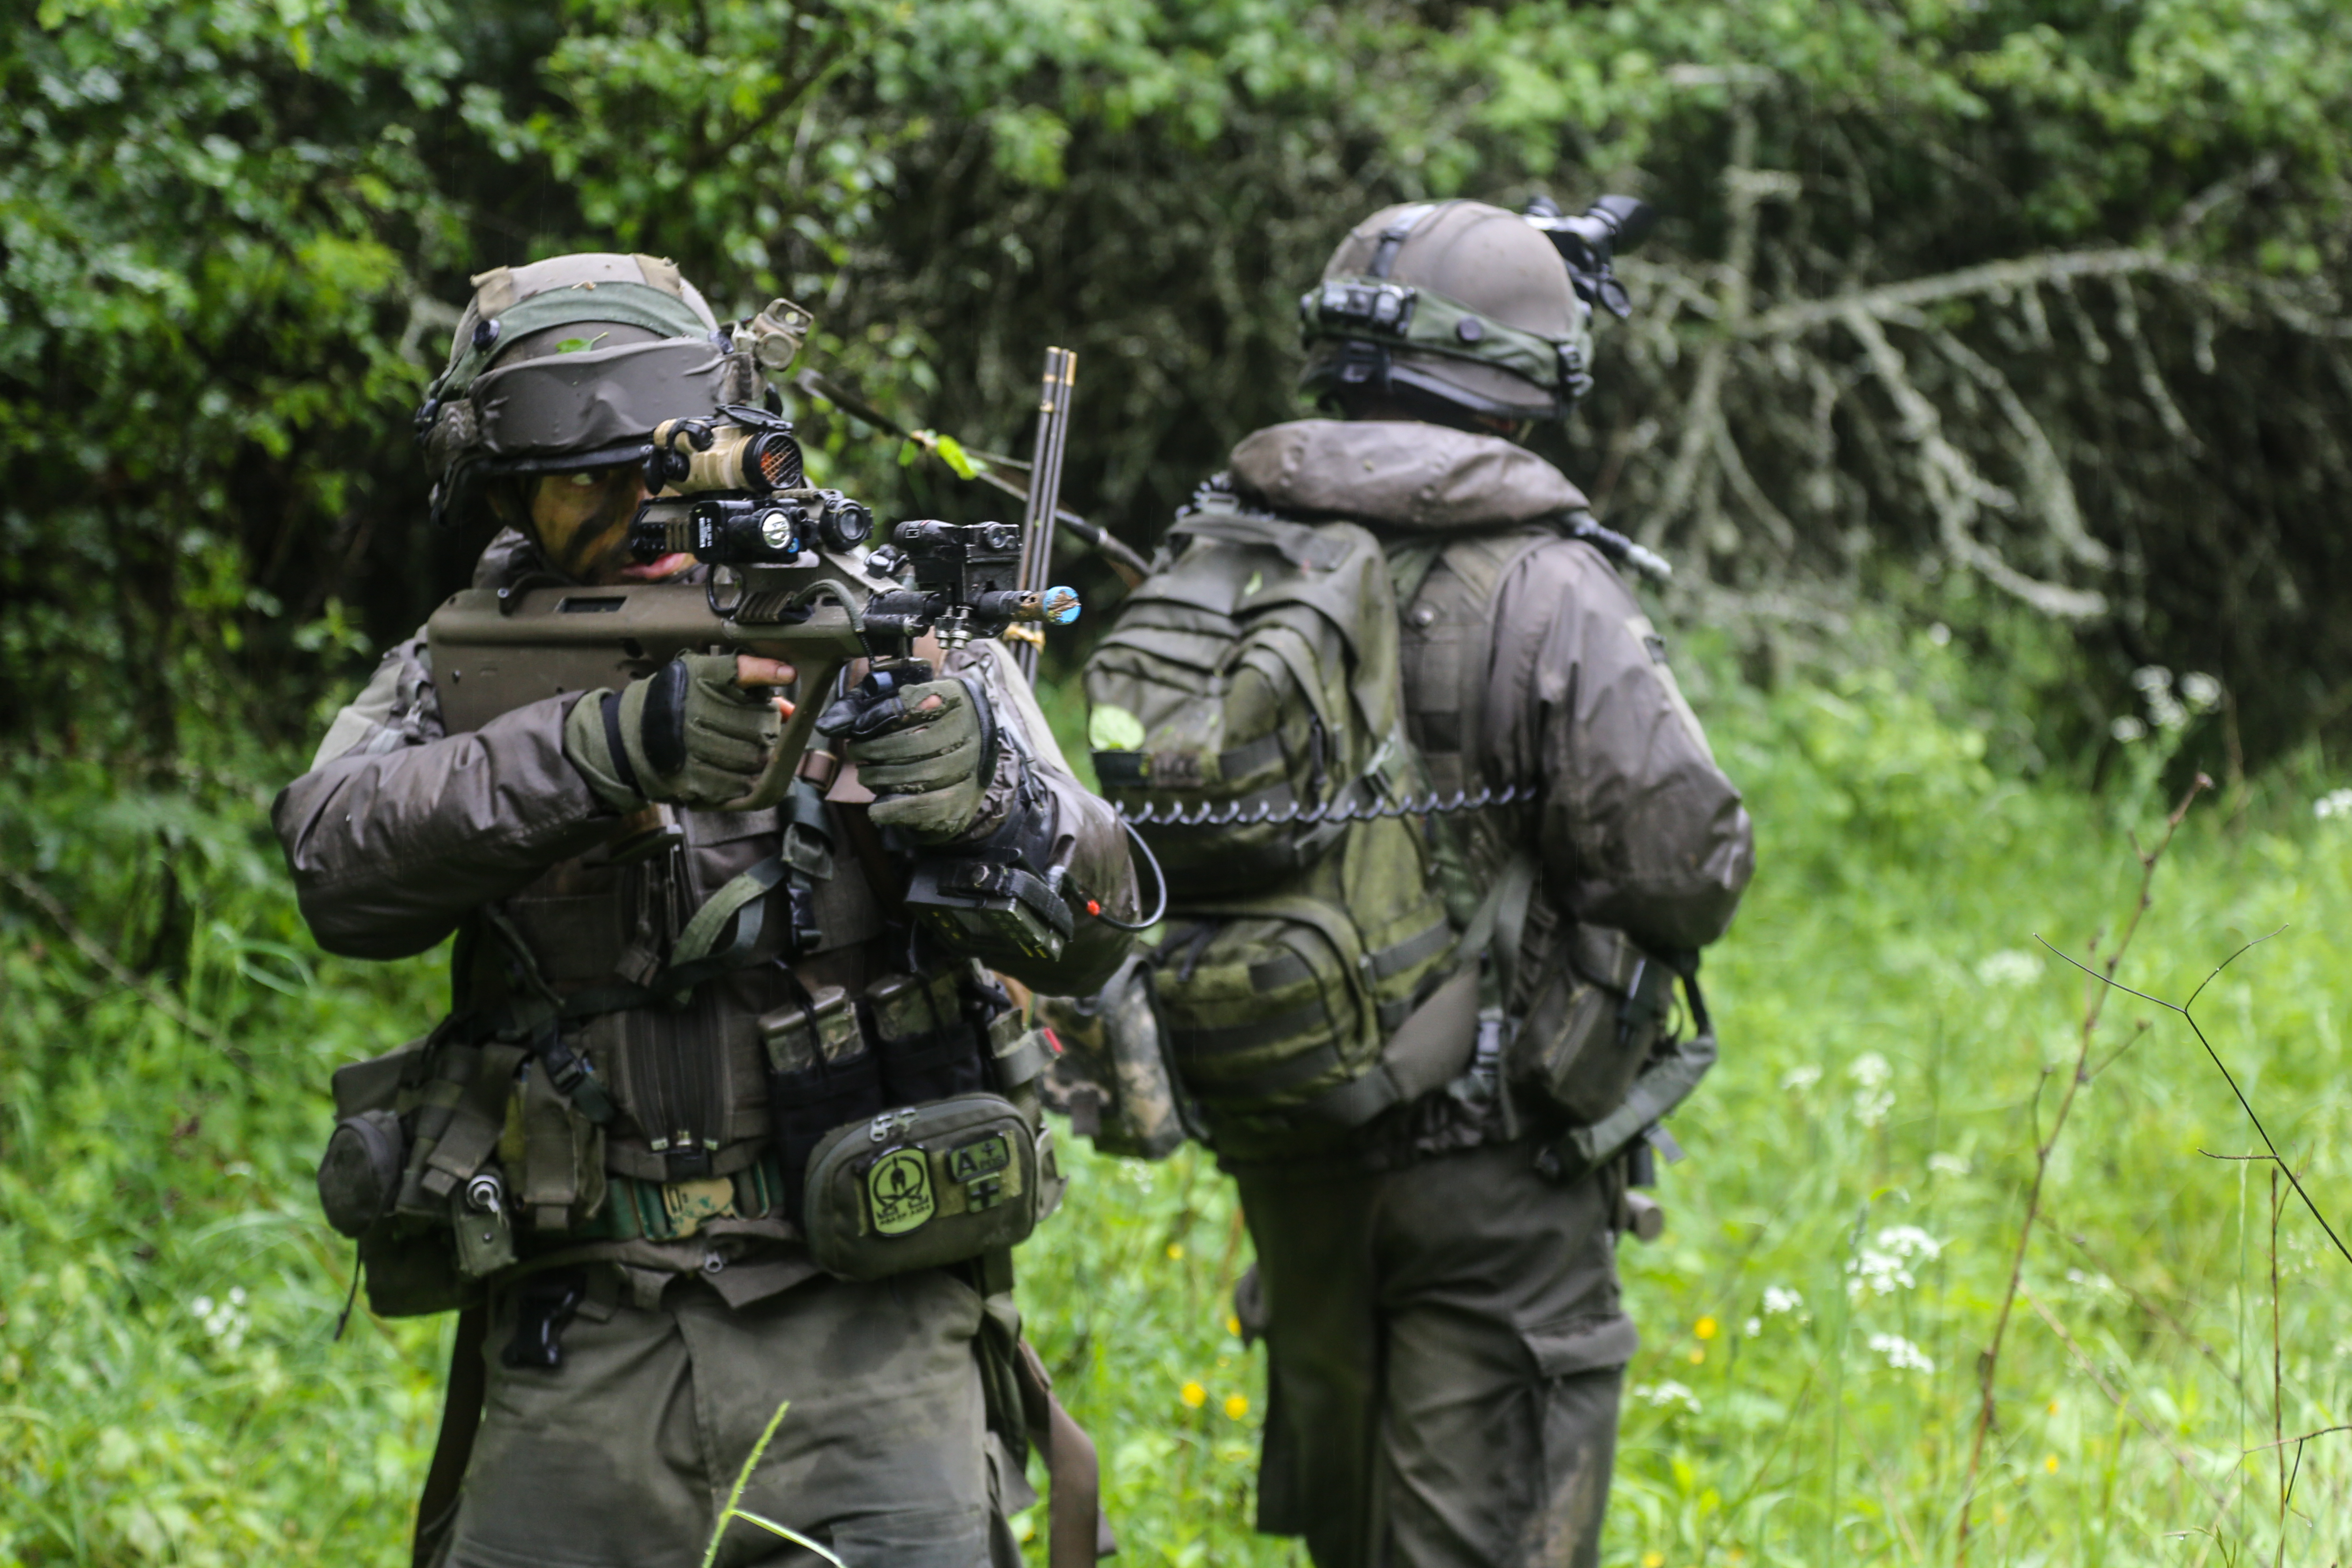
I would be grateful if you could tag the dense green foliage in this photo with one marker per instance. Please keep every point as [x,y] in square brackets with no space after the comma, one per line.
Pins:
[231,233]
[1888,1020]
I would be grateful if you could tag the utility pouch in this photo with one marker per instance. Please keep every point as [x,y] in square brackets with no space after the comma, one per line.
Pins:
[925,1186]
[928,1048]
[1249,684]
[554,1155]
[483,1225]
[821,1075]
[409,1262]
[1126,1100]
[359,1176]
[1277,1008]
[1593,1022]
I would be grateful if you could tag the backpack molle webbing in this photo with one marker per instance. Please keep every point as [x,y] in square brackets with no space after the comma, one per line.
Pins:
[1256,675]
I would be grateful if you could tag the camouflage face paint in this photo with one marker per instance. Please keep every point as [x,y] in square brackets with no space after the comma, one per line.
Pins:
[581,520]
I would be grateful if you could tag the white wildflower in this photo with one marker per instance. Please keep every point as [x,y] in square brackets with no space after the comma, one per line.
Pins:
[2334,803]
[1884,1266]
[2095,1284]
[1666,1395]
[1901,1355]
[2010,966]
[2127,729]
[1779,1300]
[223,1322]
[1939,634]
[2155,683]
[1872,1098]
[1755,1327]
[1797,1080]
[1909,1241]
[2200,691]
[1948,1165]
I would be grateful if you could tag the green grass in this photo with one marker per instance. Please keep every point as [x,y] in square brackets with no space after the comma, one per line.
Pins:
[1886,1016]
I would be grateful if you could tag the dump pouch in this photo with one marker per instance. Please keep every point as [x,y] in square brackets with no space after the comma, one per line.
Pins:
[925,1186]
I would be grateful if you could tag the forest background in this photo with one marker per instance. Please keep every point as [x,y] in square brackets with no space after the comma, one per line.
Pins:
[1988,383]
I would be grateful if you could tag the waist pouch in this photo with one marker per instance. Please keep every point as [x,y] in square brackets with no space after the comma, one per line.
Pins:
[923,1186]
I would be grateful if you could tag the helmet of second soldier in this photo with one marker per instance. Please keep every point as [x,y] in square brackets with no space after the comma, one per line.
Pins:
[1457,310]
[558,373]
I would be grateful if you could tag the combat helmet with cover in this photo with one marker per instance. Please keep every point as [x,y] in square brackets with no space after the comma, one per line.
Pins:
[1461,308]
[568,363]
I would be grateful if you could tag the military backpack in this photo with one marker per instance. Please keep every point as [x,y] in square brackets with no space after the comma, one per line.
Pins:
[1342,935]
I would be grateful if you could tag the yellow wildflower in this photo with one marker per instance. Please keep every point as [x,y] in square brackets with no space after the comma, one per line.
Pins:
[1193,1395]
[1653,1559]
[1175,1251]
[1704,1328]
[1233,1326]
[1236,1405]
[1698,1354]
[2050,1464]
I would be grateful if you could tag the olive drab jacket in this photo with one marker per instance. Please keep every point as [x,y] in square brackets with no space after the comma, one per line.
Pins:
[1552,674]
[401,833]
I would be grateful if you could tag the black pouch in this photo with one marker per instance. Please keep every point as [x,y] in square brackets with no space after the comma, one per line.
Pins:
[1595,1019]
[821,1074]
[929,1048]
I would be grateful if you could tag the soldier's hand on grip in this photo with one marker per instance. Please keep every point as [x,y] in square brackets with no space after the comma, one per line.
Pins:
[927,750]
[698,732]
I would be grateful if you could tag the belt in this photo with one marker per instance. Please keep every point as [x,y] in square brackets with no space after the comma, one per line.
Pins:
[670,1211]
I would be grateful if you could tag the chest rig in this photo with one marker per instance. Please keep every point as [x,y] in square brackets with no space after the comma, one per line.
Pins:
[663,1044]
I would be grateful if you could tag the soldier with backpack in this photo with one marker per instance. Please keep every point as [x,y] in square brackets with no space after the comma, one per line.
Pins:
[1439,834]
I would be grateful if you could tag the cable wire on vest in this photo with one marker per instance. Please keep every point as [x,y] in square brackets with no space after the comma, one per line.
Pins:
[1236,815]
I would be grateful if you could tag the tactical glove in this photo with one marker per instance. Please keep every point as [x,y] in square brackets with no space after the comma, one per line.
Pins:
[686,735]
[928,751]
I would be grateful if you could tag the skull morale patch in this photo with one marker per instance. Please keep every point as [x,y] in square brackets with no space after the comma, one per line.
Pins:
[898,1191]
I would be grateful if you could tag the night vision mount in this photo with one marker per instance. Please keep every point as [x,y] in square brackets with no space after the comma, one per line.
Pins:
[1590,242]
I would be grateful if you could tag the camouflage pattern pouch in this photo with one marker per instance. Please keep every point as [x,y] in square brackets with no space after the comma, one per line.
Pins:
[923,1186]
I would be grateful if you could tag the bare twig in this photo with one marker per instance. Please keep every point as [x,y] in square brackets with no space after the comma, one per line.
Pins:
[1988,1363]
[2302,1437]
[2122,1402]
[2278,1375]
[1993,277]
[2245,1104]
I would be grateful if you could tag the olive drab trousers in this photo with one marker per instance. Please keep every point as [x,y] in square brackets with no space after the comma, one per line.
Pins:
[1447,1350]
[622,1457]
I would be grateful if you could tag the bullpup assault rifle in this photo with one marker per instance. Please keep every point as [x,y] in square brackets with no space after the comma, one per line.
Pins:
[792,577]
